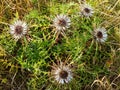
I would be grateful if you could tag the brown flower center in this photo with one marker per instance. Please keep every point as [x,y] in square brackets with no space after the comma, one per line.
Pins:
[18,29]
[99,34]
[87,10]
[63,74]
[62,22]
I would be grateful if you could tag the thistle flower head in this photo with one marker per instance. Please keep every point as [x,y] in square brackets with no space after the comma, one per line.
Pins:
[86,10]
[18,29]
[100,34]
[61,23]
[62,73]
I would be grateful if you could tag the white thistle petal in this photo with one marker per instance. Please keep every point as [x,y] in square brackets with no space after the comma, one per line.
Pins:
[61,22]
[100,34]
[62,73]
[86,10]
[18,29]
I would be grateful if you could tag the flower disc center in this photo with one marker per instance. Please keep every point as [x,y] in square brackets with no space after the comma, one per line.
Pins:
[99,34]
[62,22]
[63,74]
[18,29]
[87,10]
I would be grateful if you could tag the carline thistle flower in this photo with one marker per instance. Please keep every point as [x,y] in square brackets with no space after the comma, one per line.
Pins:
[62,73]
[61,23]
[86,10]
[100,34]
[18,29]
